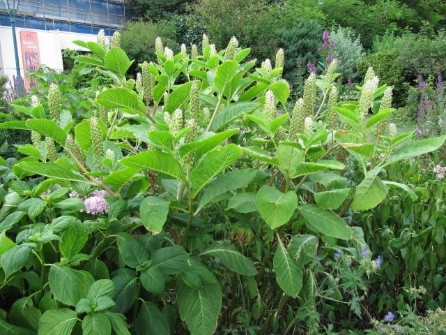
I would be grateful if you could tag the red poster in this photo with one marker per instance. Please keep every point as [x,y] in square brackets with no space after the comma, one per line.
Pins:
[30,55]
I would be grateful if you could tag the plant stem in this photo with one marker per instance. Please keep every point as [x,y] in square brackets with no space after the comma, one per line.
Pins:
[214,114]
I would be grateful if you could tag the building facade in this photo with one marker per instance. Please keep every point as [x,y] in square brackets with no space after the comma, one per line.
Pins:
[44,28]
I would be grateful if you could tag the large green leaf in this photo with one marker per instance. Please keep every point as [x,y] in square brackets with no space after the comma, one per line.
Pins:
[153,211]
[153,280]
[9,329]
[73,240]
[178,97]
[117,61]
[48,128]
[370,192]
[224,74]
[170,260]
[243,202]
[199,308]
[204,145]
[57,322]
[416,148]
[118,179]
[5,243]
[303,248]
[331,199]
[126,291]
[15,258]
[231,258]
[96,324]
[101,288]
[325,222]
[133,253]
[157,161]
[281,90]
[382,114]
[230,113]
[118,323]
[50,170]
[123,99]
[225,182]
[69,285]
[306,168]
[150,320]
[11,220]
[275,207]
[212,164]
[288,273]
[288,158]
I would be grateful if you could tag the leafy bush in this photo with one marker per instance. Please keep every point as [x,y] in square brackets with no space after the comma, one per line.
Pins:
[148,206]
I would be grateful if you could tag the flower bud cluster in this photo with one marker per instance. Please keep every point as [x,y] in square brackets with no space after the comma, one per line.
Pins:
[75,151]
[331,71]
[54,102]
[96,137]
[310,94]
[100,39]
[183,50]
[230,49]
[138,84]
[331,114]
[270,106]
[266,64]
[176,122]
[204,43]
[194,51]
[194,103]
[148,81]
[96,204]
[280,59]
[366,98]
[168,53]
[297,119]
[35,138]
[440,171]
[51,148]
[392,130]
[35,101]
[115,40]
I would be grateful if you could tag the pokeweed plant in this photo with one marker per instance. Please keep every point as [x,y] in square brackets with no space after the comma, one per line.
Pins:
[186,188]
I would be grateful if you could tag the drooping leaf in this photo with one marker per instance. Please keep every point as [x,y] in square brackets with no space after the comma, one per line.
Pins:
[199,308]
[11,220]
[416,148]
[230,113]
[125,291]
[69,285]
[121,98]
[243,202]
[331,199]
[118,179]
[117,61]
[212,164]
[404,187]
[57,322]
[303,248]
[157,161]
[288,273]
[203,146]
[382,114]
[306,168]
[281,90]
[50,170]
[225,182]
[370,192]
[326,222]
[150,320]
[178,97]
[118,323]
[231,258]
[48,128]
[153,211]
[275,207]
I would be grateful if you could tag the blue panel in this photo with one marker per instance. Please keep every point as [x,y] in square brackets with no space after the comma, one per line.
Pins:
[63,26]
[4,20]
[81,28]
[34,23]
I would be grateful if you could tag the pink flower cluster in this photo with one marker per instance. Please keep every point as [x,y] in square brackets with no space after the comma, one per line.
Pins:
[440,171]
[94,204]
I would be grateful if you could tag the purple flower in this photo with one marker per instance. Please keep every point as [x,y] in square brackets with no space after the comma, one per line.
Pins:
[325,35]
[389,317]
[99,193]
[311,67]
[337,254]
[96,205]
[379,261]
[364,251]
[421,82]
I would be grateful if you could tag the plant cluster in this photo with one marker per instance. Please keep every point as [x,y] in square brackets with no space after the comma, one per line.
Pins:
[192,198]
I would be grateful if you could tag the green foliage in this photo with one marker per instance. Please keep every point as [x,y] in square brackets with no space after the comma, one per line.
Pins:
[203,191]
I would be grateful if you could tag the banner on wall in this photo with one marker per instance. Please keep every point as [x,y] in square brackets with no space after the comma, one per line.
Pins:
[30,55]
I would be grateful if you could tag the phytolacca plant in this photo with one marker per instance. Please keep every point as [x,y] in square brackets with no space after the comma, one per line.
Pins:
[198,151]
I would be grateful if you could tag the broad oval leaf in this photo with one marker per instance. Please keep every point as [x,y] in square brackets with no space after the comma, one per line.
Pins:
[331,199]
[170,260]
[153,280]
[224,74]
[153,211]
[212,164]
[281,90]
[179,96]
[231,258]
[370,192]
[69,285]
[199,308]
[117,61]
[157,161]
[73,240]
[50,170]
[303,248]
[126,291]
[150,320]
[48,128]
[288,273]
[96,324]
[101,288]
[15,258]
[230,113]
[121,98]
[275,207]
[415,148]
[326,222]
[57,322]
[306,168]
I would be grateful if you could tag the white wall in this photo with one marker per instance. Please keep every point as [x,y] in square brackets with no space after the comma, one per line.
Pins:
[51,44]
